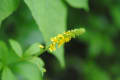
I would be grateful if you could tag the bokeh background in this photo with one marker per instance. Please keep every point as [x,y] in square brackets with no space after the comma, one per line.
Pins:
[92,56]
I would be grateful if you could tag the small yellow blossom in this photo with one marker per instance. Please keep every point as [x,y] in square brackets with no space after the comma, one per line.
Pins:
[41,46]
[61,42]
[54,39]
[67,39]
[52,47]
[60,36]
[61,39]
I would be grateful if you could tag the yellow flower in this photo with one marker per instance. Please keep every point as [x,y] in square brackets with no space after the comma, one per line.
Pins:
[54,39]
[61,39]
[41,46]
[67,39]
[60,36]
[61,42]
[52,47]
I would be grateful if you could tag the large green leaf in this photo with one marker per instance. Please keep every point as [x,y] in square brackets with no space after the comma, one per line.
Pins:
[7,74]
[27,71]
[50,15]
[7,7]
[16,47]
[79,4]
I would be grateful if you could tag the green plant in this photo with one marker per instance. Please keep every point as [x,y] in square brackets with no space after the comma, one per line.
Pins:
[40,10]
[92,56]
[11,62]
[18,64]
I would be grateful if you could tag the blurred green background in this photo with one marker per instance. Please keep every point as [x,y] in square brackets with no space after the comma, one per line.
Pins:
[92,56]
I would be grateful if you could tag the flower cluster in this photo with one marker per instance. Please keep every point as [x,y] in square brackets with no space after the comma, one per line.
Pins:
[65,37]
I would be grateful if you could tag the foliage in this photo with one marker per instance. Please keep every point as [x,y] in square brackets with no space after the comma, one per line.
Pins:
[31,23]
[14,63]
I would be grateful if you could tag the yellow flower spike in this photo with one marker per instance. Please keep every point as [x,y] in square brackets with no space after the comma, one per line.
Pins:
[65,37]
[41,46]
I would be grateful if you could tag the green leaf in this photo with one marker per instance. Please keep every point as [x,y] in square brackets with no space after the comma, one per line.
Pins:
[39,63]
[7,7]
[7,56]
[3,51]
[7,74]
[33,50]
[79,4]
[11,58]
[27,71]
[16,47]
[50,15]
